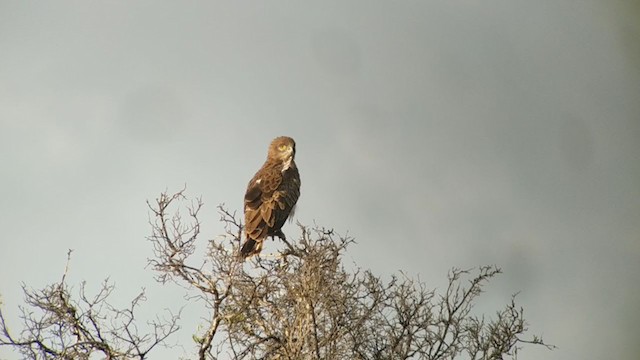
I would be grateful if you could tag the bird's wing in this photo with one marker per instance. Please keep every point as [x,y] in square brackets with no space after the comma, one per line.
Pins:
[285,198]
[260,200]
[291,191]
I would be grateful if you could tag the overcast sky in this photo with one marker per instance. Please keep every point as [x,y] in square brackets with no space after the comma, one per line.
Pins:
[437,133]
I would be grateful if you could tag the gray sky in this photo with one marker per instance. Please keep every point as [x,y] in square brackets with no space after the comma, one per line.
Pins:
[437,133]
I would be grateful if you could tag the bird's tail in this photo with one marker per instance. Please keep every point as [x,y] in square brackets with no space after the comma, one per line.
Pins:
[249,248]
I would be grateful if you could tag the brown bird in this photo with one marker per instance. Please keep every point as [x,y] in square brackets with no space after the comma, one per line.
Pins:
[271,196]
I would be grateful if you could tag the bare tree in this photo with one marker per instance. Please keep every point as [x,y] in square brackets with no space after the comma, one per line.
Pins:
[301,303]
[57,325]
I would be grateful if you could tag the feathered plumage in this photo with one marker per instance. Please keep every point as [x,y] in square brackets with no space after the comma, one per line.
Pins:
[271,195]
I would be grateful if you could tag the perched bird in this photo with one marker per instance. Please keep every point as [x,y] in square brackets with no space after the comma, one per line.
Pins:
[271,196]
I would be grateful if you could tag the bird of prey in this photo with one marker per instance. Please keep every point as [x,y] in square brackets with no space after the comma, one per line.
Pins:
[271,196]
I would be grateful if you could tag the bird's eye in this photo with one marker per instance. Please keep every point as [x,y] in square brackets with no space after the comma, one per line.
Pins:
[282,147]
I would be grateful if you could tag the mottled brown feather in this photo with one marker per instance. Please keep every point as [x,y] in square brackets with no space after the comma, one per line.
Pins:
[271,195]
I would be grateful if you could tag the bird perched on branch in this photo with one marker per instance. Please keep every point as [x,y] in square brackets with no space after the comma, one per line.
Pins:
[271,196]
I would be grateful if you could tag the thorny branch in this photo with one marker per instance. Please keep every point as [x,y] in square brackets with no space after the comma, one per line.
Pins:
[173,241]
[57,325]
[299,304]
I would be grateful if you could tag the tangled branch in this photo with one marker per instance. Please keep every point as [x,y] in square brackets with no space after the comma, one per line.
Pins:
[301,303]
[58,325]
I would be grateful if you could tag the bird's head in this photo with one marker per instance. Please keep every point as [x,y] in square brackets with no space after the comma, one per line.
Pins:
[282,148]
